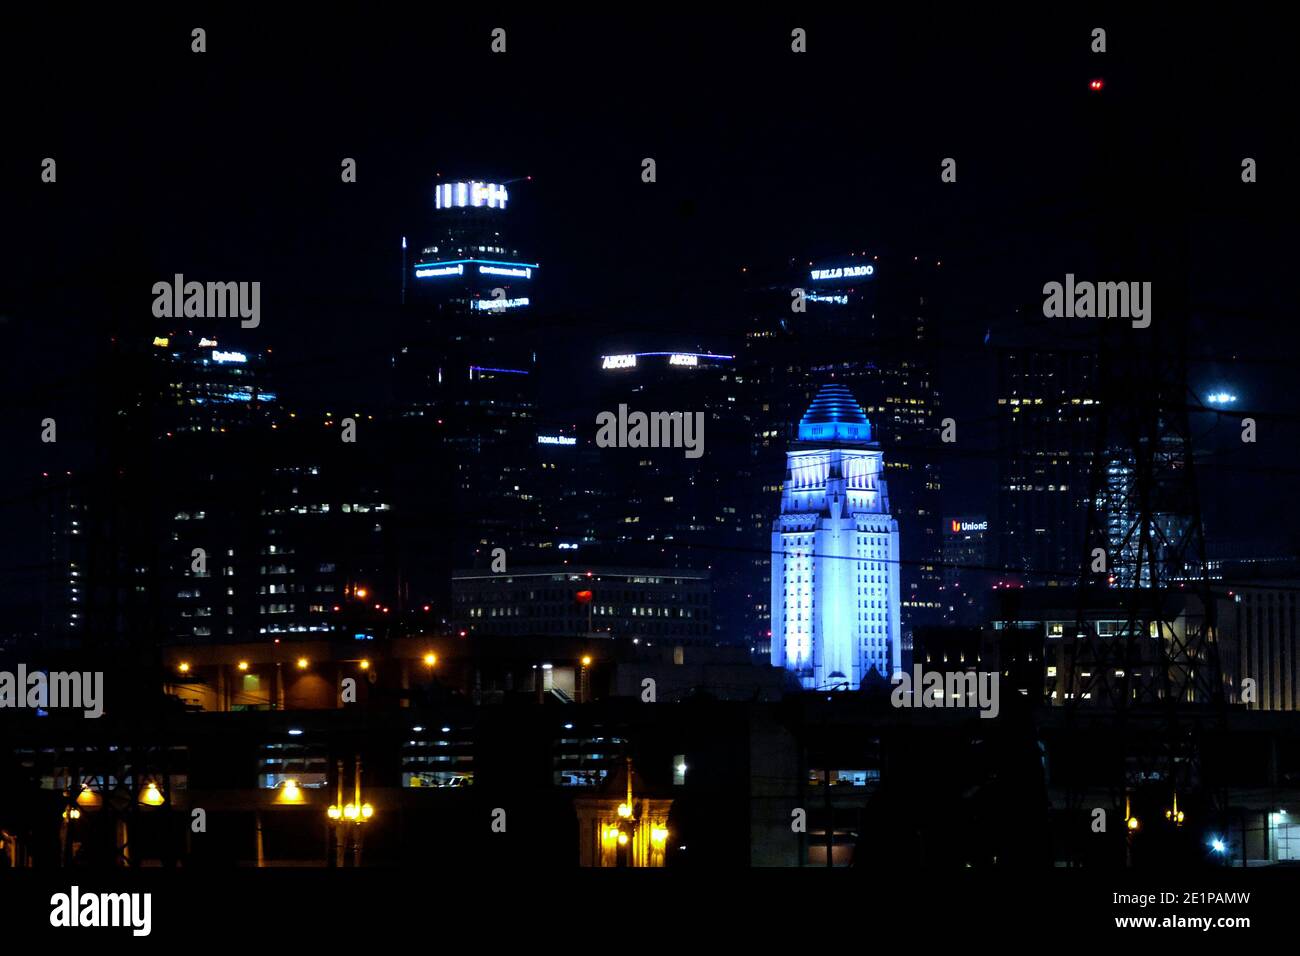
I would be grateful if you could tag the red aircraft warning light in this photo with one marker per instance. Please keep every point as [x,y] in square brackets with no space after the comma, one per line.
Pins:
[1096,85]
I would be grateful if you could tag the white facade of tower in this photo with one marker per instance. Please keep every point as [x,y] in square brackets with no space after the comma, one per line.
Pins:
[835,583]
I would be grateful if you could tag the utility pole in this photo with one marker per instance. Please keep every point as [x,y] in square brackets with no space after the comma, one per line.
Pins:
[339,848]
[1158,678]
[356,845]
[830,817]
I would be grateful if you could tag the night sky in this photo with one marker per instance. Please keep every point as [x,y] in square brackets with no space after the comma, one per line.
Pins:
[226,165]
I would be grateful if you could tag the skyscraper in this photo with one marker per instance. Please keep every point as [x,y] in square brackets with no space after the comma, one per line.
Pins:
[203,385]
[678,510]
[835,582]
[464,373]
[965,582]
[1046,413]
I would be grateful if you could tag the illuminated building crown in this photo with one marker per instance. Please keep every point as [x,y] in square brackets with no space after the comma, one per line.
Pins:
[835,415]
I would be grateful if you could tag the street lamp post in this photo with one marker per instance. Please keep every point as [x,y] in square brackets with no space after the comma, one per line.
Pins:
[638,832]
[357,813]
[71,813]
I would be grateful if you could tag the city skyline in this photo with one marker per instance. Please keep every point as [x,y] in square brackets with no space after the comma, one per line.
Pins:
[460,443]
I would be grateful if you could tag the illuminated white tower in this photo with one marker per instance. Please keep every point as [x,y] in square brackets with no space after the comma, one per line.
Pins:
[835,603]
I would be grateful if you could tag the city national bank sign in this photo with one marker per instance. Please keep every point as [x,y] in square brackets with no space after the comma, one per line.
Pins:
[844,272]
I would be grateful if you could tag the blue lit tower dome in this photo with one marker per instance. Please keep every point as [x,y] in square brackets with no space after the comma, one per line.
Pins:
[835,584]
[835,416]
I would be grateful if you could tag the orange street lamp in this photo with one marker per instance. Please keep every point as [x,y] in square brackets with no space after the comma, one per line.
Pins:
[290,793]
[584,679]
[1175,816]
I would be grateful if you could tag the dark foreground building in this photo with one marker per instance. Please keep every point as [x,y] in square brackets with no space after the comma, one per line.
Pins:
[448,752]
